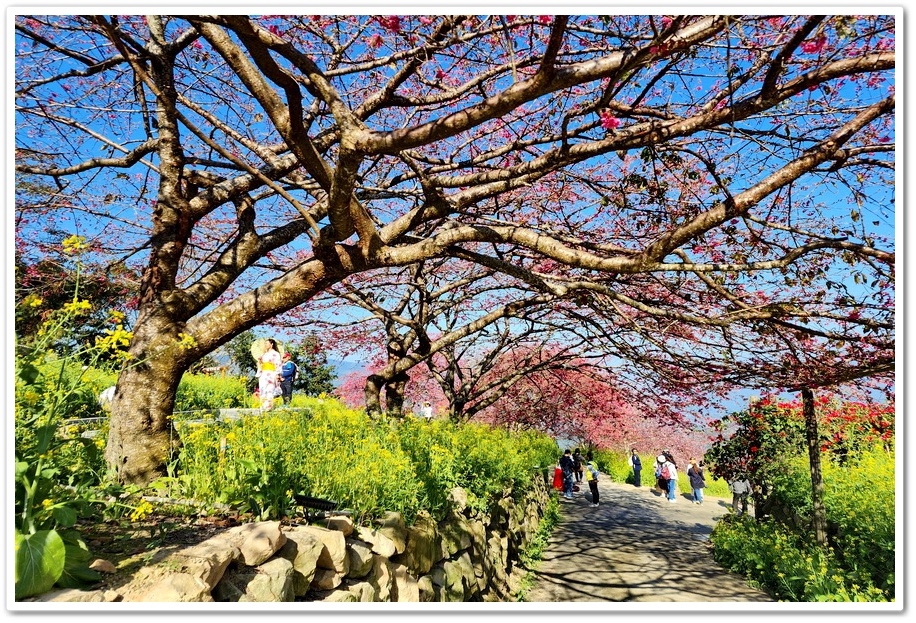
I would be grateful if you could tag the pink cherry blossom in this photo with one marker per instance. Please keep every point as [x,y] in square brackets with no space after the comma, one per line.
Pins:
[815,45]
[609,121]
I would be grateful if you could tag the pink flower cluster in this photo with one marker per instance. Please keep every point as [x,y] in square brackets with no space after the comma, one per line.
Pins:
[814,45]
[609,121]
[392,23]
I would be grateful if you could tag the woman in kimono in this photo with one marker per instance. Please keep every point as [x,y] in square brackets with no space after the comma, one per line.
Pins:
[269,374]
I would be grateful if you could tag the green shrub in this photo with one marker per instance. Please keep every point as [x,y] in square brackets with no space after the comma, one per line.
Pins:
[859,500]
[616,466]
[482,459]
[56,469]
[201,391]
[259,462]
[786,564]
[859,563]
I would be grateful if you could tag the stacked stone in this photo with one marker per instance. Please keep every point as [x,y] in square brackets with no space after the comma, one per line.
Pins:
[467,556]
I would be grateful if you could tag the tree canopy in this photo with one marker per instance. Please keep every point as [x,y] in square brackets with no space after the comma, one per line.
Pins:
[716,190]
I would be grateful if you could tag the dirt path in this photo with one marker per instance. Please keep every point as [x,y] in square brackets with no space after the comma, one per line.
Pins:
[636,547]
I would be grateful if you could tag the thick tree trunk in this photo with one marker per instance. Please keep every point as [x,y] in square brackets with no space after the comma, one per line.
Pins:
[819,514]
[394,382]
[141,437]
[372,392]
[394,395]
[456,408]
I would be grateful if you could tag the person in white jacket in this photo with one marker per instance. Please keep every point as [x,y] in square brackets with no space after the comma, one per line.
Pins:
[669,473]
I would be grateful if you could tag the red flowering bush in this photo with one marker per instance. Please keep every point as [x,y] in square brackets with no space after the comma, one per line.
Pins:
[767,445]
[771,429]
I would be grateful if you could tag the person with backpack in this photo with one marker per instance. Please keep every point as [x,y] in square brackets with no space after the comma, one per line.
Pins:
[668,473]
[660,482]
[741,489]
[577,465]
[591,477]
[288,375]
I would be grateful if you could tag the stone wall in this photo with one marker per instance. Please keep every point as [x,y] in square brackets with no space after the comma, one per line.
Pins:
[467,556]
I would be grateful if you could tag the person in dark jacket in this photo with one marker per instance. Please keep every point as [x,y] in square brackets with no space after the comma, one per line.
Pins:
[577,465]
[636,464]
[697,480]
[591,476]
[567,465]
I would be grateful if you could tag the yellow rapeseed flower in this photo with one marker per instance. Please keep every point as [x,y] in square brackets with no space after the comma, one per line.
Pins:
[143,509]
[31,300]
[74,244]
[77,307]
[114,338]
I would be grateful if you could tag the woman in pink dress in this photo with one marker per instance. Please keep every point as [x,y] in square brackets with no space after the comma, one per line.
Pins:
[269,374]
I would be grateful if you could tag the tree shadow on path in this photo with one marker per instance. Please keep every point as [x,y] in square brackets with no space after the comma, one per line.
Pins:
[636,547]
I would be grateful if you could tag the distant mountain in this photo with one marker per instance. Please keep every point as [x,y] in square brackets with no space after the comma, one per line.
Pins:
[342,368]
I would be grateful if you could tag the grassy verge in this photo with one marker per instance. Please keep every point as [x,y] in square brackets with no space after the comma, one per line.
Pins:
[535,551]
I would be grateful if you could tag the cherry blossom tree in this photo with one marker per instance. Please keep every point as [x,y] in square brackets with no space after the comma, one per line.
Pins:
[442,314]
[690,173]
[585,404]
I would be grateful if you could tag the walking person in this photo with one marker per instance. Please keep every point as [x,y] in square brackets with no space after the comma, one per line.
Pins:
[577,465]
[268,374]
[591,477]
[697,480]
[636,464]
[672,480]
[668,456]
[668,473]
[741,489]
[660,482]
[566,464]
[288,375]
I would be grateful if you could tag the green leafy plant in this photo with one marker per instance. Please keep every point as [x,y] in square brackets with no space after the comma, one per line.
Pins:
[55,469]
[260,462]
[858,564]
[198,392]
[533,554]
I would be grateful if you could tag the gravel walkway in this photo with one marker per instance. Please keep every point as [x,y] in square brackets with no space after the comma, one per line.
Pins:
[636,547]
